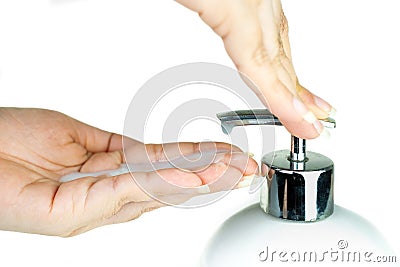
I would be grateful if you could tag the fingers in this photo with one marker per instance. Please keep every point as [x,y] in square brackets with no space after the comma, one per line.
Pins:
[94,139]
[254,44]
[108,192]
[227,169]
[103,161]
[89,202]
[273,73]
[269,25]
[223,174]
[239,161]
[317,105]
[284,35]
[255,35]
[139,153]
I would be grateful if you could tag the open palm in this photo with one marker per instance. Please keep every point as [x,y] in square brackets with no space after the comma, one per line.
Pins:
[37,147]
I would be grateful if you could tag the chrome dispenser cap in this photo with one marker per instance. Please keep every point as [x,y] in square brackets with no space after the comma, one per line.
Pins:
[299,183]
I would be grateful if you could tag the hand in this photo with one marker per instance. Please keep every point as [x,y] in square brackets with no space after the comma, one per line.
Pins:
[37,147]
[255,34]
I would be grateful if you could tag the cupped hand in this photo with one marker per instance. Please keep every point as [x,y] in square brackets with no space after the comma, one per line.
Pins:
[38,147]
[255,35]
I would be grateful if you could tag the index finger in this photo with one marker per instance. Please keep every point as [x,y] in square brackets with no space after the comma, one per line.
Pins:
[143,153]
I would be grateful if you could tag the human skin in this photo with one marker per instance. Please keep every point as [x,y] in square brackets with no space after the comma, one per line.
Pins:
[255,36]
[38,147]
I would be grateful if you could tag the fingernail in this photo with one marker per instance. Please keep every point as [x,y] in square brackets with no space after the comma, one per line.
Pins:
[325,134]
[325,106]
[318,126]
[251,155]
[204,189]
[304,111]
[332,112]
[322,131]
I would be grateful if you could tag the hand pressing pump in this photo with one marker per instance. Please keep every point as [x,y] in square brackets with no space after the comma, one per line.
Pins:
[296,220]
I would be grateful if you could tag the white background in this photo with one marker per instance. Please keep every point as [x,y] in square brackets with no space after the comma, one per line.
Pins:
[87,59]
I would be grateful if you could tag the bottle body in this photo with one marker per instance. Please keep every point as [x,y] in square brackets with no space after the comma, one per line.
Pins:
[253,238]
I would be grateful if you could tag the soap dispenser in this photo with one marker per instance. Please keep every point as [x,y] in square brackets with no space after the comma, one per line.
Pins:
[296,220]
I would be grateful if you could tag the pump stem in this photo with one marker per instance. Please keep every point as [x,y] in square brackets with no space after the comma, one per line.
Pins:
[298,149]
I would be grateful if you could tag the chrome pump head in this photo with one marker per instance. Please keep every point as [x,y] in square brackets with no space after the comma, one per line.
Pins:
[299,183]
